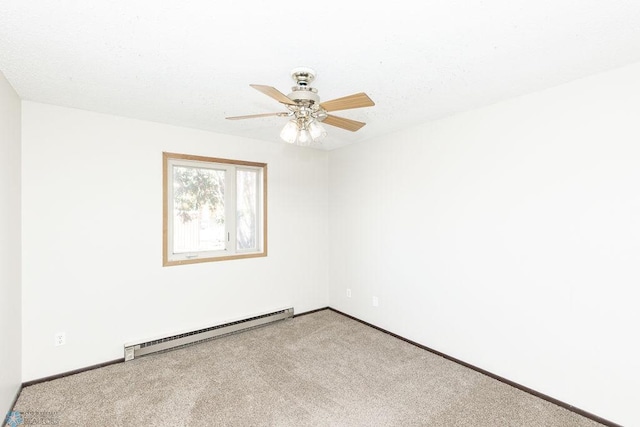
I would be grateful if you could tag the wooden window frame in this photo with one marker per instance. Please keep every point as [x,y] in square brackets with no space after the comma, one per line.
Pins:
[167,257]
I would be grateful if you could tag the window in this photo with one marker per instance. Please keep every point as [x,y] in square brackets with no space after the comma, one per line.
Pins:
[214,209]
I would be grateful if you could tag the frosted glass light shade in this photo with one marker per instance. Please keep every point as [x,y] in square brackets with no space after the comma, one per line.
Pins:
[304,137]
[289,132]
[317,131]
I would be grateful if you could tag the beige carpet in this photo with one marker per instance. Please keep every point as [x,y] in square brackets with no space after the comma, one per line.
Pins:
[321,369]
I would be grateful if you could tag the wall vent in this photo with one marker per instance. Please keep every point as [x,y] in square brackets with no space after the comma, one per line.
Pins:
[131,351]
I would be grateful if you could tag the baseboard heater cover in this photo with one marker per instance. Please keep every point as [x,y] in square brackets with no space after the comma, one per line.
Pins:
[131,351]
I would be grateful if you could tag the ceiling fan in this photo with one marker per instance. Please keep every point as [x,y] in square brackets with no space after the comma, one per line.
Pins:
[305,110]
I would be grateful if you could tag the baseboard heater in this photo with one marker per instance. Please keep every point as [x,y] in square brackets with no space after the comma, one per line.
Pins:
[131,351]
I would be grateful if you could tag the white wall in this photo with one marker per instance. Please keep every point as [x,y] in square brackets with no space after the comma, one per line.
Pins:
[92,216]
[10,309]
[507,237]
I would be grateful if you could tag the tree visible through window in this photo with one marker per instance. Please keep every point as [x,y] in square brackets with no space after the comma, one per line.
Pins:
[214,209]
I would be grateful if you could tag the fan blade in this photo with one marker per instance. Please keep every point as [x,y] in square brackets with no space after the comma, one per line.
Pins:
[357,100]
[253,116]
[343,123]
[274,93]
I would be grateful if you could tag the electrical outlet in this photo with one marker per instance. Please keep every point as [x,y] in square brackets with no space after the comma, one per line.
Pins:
[375,301]
[60,339]
[348,293]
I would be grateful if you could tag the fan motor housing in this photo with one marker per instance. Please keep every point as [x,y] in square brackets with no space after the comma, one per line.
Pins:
[304,94]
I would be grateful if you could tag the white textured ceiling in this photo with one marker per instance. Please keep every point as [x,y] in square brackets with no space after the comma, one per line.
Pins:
[190,63]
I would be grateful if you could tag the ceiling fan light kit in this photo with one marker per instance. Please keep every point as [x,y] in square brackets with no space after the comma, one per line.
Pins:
[306,112]
[302,133]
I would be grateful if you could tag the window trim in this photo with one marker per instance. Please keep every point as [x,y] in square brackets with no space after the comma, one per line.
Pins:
[166,260]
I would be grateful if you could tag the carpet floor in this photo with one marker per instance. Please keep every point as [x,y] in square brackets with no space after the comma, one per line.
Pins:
[321,369]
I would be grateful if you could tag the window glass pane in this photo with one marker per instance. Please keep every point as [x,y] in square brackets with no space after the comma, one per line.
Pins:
[198,209]
[247,204]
